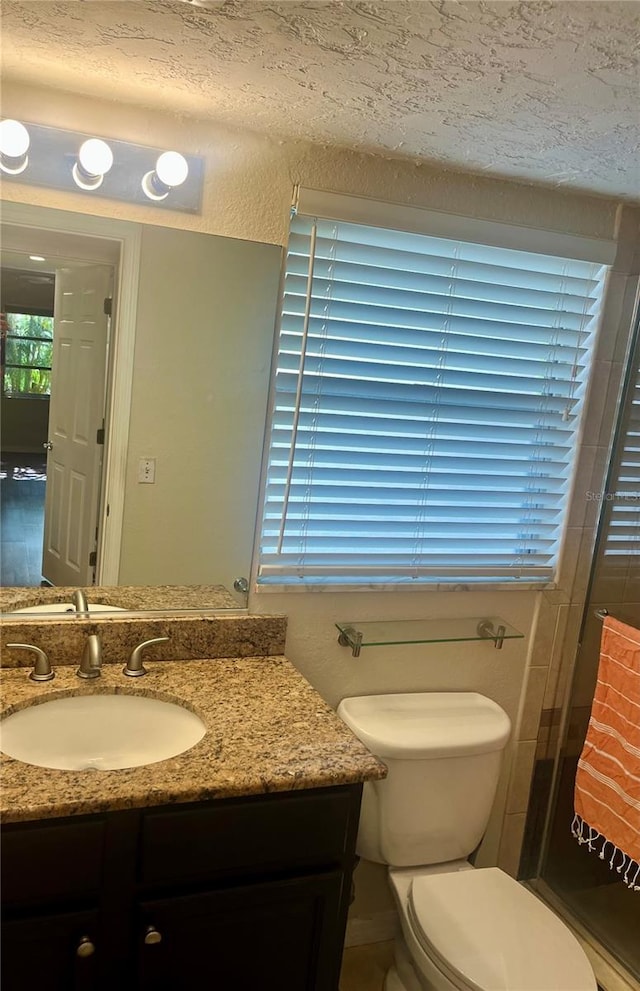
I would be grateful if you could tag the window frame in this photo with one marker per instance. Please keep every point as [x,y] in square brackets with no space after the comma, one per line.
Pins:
[618,541]
[31,312]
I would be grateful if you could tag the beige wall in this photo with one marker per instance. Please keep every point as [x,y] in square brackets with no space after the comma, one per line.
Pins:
[204,334]
[247,195]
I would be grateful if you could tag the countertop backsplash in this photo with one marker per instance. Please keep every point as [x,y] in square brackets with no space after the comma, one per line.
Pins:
[190,637]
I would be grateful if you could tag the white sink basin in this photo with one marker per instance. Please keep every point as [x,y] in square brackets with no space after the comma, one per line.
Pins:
[57,607]
[99,732]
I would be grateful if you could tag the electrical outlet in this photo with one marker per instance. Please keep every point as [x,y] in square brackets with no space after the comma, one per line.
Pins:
[147,470]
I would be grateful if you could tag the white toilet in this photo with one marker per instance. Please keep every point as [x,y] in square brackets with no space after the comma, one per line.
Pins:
[464,929]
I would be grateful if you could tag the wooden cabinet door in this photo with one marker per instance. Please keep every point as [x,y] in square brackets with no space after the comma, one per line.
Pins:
[273,936]
[41,953]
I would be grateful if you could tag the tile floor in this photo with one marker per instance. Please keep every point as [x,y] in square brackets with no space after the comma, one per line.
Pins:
[364,967]
[22,489]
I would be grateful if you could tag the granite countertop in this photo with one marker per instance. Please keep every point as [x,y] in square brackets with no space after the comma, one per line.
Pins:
[130,597]
[268,730]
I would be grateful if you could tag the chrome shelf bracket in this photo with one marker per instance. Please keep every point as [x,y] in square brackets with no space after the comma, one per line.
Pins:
[486,631]
[350,637]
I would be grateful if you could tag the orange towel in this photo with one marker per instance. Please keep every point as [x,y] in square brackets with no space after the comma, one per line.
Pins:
[607,792]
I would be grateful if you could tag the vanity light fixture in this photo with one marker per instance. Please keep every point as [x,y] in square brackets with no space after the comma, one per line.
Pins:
[90,165]
[171,170]
[95,158]
[14,145]
[37,258]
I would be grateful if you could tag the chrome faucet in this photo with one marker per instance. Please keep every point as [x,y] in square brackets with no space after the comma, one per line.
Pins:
[79,600]
[91,661]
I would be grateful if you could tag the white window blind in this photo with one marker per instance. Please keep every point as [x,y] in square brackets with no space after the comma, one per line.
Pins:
[621,522]
[426,400]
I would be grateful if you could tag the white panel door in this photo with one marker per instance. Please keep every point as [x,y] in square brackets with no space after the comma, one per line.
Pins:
[76,414]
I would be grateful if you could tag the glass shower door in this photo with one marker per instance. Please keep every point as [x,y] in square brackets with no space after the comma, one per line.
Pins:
[592,892]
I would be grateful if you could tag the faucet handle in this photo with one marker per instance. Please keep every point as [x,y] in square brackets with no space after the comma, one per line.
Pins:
[41,667]
[134,667]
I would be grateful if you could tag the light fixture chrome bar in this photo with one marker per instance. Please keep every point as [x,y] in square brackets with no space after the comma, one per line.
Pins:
[53,154]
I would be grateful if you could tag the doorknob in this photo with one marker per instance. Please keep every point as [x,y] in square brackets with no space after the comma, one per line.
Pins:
[85,947]
[48,446]
[152,936]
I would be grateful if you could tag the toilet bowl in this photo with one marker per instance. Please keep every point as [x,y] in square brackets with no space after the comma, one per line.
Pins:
[463,928]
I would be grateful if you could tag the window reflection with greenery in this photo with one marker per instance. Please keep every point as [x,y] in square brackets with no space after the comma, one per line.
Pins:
[28,353]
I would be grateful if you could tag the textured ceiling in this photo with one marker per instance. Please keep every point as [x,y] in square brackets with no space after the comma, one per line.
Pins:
[543,91]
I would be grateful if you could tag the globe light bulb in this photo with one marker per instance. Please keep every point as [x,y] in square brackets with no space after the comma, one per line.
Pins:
[14,144]
[95,156]
[14,138]
[172,168]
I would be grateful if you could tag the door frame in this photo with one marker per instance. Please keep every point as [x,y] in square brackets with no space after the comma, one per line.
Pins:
[120,361]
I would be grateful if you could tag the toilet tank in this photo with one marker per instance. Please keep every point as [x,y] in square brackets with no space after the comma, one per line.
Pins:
[443,752]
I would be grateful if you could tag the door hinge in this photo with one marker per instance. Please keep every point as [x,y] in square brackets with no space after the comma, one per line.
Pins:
[93,559]
[108,306]
[100,435]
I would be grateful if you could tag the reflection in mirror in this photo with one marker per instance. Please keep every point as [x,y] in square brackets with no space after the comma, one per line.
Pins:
[204,321]
[65,603]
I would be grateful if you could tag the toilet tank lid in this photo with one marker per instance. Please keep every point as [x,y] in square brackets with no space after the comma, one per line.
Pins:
[427,725]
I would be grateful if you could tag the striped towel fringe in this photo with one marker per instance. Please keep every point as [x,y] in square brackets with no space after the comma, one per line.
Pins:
[607,784]
[618,859]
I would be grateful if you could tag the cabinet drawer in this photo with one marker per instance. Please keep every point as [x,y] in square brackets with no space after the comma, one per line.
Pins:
[57,861]
[267,833]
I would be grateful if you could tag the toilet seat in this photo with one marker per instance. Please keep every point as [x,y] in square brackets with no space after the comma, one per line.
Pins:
[485,932]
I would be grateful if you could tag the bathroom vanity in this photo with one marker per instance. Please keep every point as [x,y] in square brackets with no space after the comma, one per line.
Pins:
[226,866]
[245,894]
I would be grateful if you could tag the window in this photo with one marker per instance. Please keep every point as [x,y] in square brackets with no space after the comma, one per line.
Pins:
[27,353]
[621,524]
[426,402]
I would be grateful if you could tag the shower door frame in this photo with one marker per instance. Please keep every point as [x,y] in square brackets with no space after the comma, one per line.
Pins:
[607,960]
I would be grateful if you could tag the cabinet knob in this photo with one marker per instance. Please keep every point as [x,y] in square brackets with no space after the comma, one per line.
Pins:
[152,936]
[85,947]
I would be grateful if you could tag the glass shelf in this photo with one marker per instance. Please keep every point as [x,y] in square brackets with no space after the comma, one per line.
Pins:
[399,631]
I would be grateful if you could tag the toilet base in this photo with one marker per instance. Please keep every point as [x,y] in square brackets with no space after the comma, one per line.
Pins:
[392,981]
[414,969]
[403,976]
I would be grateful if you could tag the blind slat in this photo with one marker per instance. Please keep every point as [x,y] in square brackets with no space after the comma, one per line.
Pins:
[621,524]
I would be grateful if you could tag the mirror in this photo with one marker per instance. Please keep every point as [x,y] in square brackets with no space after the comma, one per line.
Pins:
[204,325]
[61,603]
